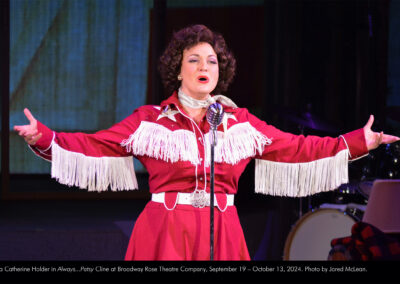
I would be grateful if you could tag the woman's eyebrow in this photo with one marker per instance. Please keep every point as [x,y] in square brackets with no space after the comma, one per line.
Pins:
[195,54]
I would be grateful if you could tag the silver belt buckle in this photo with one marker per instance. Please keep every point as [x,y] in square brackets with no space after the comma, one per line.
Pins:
[199,199]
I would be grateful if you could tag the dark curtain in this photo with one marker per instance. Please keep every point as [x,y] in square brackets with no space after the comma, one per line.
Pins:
[327,57]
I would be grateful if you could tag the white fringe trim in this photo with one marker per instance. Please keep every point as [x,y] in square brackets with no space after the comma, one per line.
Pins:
[240,141]
[301,179]
[93,173]
[159,142]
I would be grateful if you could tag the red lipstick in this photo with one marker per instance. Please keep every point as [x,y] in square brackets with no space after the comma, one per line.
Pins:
[203,79]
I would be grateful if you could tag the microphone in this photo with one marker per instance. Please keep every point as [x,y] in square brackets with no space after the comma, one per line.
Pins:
[215,113]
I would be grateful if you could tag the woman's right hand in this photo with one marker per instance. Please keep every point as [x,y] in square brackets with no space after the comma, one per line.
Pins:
[29,131]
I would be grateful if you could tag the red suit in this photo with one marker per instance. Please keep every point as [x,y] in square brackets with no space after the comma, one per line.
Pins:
[175,151]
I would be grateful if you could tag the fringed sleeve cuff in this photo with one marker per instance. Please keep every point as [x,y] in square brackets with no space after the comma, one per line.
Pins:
[91,170]
[93,173]
[301,179]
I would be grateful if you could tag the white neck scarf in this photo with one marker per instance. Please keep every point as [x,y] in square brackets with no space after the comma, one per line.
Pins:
[193,103]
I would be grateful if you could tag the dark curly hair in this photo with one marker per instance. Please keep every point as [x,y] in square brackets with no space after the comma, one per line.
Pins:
[171,60]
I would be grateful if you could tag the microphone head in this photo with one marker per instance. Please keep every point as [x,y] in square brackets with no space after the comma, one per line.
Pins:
[215,113]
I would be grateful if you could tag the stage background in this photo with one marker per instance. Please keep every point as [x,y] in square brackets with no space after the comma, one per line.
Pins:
[82,65]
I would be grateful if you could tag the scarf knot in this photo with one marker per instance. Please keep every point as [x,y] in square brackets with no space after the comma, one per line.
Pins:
[193,103]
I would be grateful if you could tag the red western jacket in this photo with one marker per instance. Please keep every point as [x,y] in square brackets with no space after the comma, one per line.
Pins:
[175,151]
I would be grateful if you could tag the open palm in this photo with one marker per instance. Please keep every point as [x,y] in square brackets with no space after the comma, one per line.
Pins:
[29,131]
[374,139]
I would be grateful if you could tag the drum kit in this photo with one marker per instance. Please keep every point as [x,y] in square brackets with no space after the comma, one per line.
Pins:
[311,235]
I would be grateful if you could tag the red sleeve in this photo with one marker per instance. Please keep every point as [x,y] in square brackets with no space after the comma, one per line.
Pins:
[104,143]
[297,165]
[93,161]
[290,148]
[355,142]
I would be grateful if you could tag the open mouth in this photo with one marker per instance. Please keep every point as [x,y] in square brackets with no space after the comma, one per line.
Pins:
[202,79]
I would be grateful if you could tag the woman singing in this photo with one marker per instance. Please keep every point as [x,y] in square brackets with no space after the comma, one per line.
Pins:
[171,141]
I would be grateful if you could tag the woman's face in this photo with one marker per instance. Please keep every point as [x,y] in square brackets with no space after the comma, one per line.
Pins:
[199,70]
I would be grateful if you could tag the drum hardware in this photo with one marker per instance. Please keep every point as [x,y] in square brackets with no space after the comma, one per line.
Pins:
[350,193]
[355,212]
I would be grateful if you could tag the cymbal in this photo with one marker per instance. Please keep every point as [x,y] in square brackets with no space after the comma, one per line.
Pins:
[311,121]
[306,119]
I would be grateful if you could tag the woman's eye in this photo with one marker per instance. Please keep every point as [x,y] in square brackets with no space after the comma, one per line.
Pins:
[192,60]
[213,62]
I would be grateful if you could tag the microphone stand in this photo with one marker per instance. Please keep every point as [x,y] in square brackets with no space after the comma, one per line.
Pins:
[215,113]
[213,143]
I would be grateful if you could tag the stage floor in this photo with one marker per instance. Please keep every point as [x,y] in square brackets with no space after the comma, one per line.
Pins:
[91,230]
[66,230]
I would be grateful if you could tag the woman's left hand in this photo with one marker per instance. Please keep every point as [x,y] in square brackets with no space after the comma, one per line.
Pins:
[374,139]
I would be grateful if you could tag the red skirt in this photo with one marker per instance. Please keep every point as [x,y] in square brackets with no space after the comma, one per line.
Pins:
[184,234]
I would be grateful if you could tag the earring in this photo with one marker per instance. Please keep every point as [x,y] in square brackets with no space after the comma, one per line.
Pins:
[179,77]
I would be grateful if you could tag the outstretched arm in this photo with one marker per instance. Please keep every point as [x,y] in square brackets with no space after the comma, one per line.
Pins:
[295,165]
[94,161]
